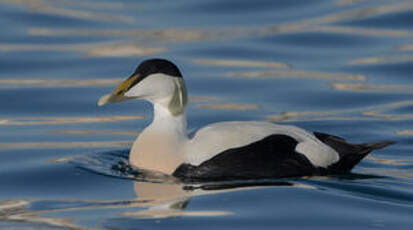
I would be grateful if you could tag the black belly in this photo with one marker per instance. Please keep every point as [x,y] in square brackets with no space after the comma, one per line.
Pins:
[271,157]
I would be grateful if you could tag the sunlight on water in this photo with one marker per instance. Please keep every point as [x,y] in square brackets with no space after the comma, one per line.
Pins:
[374,88]
[407,47]
[299,74]
[367,113]
[57,145]
[229,106]
[56,83]
[405,132]
[64,8]
[26,121]
[382,60]
[96,132]
[100,49]
[241,63]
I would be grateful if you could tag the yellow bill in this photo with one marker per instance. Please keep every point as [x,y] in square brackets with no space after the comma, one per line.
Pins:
[118,94]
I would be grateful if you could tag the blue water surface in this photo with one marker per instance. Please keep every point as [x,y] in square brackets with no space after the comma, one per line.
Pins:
[342,67]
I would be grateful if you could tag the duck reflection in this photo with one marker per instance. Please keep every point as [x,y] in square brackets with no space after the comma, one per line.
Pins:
[164,200]
[154,200]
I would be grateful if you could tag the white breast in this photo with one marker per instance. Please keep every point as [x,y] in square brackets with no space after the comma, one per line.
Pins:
[218,137]
[156,151]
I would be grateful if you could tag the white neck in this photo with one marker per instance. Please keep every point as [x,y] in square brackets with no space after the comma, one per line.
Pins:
[164,121]
[160,146]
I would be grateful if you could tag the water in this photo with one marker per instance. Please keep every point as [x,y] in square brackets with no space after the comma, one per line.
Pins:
[342,67]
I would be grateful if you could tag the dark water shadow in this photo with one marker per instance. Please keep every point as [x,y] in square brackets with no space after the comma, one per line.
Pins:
[115,164]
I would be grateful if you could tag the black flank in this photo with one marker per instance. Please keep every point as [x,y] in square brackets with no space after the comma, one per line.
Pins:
[271,157]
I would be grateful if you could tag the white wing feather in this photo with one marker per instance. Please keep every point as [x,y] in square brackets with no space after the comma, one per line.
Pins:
[218,137]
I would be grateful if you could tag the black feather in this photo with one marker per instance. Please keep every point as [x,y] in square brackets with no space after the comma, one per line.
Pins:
[271,157]
[153,66]
[350,154]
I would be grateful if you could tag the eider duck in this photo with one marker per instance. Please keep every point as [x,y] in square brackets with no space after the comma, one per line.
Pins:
[224,150]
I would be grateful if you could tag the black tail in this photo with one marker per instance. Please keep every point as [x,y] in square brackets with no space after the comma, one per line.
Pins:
[350,154]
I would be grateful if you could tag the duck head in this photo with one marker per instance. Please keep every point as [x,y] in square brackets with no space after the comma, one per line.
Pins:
[156,80]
